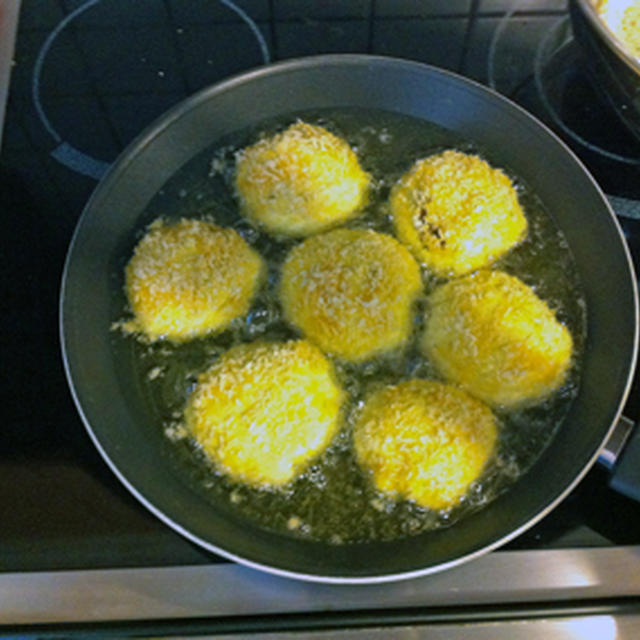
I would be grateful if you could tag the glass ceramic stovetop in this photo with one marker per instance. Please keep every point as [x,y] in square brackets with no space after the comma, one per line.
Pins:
[88,76]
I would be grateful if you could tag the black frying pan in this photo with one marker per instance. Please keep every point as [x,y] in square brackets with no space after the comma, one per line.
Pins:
[115,412]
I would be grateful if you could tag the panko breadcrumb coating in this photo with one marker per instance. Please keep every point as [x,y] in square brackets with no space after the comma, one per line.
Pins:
[424,441]
[189,279]
[351,292]
[623,18]
[263,411]
[300,181]
[492,335]
[456,213]
[630,29]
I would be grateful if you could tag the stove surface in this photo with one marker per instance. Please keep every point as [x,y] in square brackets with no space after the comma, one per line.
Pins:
[88,76]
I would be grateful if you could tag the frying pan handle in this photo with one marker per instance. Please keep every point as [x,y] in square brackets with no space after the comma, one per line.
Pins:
[621,455]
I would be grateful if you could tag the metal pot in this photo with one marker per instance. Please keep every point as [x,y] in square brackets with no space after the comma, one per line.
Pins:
[114,411]
[615,72]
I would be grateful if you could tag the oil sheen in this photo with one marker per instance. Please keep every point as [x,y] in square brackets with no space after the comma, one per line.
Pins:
[334,501]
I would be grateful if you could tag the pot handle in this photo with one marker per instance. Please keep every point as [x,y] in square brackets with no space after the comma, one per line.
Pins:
[621,455]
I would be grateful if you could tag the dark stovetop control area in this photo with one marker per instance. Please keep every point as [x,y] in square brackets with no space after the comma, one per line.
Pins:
[87,77]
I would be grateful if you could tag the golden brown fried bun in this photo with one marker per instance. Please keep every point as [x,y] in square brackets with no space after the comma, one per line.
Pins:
[263,411]
[424,441]
[300,181]
[351,292]
[456,213]
[491,334]
[189,279]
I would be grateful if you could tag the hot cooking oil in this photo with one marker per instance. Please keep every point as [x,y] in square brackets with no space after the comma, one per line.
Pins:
[333,500]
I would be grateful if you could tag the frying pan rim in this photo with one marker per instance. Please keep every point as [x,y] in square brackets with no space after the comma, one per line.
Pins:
[164,121]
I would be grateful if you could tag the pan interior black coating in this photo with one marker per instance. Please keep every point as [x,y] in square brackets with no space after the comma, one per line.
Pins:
[113,409]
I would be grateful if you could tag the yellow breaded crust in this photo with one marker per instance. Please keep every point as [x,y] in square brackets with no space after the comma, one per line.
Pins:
[300,181]
[623,18]
[424,441]
[492,335]
[456,213]
[351,292]
[629,31]
[189,279]
[264,411]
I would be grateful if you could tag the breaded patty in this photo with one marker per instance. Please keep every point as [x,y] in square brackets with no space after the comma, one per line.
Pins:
[189,279]
[264,411]
[456,213]
[492,335]
[424,441]
[351,292]
[300,181]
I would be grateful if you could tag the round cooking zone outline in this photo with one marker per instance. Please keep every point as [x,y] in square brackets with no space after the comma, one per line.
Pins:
[65,153]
